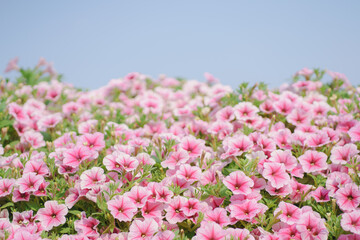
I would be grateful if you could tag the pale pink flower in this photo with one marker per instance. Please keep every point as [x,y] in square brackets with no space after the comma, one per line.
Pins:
[317,139]
[191,207]
[276,174]
[245,110]
[321,194]
[284,157]
[245,210]
[152,210]
[313,161]
[176,158]
[122,208]
[38,167]
[225,114]
[238,234]
[239,183]
[34,139]
[29,182]
[138,195]
[20,197]
[92,177]
[290,213]
[174,212]
[6,186]
[93,141]
[73,157]
[52,215]
[354,133]
[143,229]
[343,154]
[12,65]
[86,226]
[217,215]
[190,173]
[210,231]
[351,221]
[192,145]
[348,197]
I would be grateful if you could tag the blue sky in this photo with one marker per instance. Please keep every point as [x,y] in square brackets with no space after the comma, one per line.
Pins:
[91,42]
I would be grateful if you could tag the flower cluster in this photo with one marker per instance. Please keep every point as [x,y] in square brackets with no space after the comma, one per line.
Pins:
[165,158]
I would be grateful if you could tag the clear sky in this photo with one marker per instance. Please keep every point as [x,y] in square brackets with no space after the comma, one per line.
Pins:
[91,42]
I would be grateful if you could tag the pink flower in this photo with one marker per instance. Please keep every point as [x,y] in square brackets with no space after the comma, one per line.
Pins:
[210,231]
[298,117]
[192,145]
[138,195]
[343,154]
[239,234]
[236,146]
[73,157]
[305,72]
[12,65]
[351,221]
[354,133]
[52,215]
[176,158]
[91,178]
[18,112]
[93,141]
[190,173]
[87,226]
[313,161]
[122,208]
[225,114]
[37,167]
[284,157]
[290,214]
[245,210]
[152,210]
[238,183]
[34,139]
[6,186]
[29,182]
[276,174]
[321,194]
[191,207]
[217,215]
[174,212]
[348,197]
[165,235]
[143,229]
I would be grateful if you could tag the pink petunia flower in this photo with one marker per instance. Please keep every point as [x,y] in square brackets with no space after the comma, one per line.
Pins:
[313,161]
[190,173]
[354,133]
[290,214]
[174,212]
[217,215]
[143,229]
[87,226]
[276,174]
[52,215]
[93,141]
[29,182]
[122,208]
[175,159]
[245,210]
[73,157]
[210,231]
[321,194]
[348,197]
[6,186]
[238,183]
[92,177]
[343,154]
[138,195]
[351,221]
[192,145]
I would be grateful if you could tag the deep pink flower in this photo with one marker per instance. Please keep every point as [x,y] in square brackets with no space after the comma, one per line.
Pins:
[276,174]
[210,231]
[239,183]
[321,194]
[37,167]
[191,207]
[143,229]
[52,215]
[351,221]
[122,208]
[19,196]
[313,161]
[236,146]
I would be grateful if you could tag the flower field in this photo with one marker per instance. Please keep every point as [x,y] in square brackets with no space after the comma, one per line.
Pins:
[166,158]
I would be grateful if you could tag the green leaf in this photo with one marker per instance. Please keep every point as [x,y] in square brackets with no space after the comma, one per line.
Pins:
[47,136]
[5,123]
[9,204]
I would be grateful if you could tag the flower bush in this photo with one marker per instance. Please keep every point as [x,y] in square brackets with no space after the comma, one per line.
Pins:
[166,158]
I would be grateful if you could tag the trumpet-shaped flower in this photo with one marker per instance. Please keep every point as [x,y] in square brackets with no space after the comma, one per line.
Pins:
[52,215]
